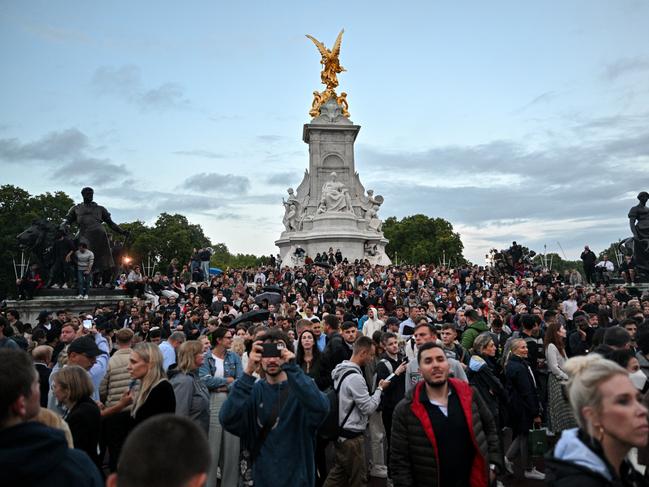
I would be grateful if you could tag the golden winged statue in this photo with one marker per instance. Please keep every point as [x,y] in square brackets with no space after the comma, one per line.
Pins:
[331,67]
[330,61]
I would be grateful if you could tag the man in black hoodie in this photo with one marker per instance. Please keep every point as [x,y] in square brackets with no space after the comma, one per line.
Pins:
[32,454]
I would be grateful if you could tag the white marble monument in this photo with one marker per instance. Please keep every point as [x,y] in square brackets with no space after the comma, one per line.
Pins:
[330,208]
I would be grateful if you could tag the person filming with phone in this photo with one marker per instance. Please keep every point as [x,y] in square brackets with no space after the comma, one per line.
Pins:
[276,417]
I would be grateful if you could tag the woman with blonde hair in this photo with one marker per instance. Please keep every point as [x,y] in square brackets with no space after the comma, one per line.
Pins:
[72,387]
[611,420]
[50,418]
[525,408]
[150,391]
[192,396]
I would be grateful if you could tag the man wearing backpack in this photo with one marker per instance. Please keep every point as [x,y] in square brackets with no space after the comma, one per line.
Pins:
[355,406]
[276,417]
[335,351]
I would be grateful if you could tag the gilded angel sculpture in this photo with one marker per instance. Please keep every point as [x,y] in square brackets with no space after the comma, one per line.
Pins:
[330,61]
[331,67]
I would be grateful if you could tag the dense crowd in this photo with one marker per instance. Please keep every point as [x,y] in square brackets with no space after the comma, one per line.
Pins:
[332,373]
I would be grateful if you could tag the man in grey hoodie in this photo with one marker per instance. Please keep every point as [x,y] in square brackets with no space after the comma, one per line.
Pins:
[355,407]
[425,333]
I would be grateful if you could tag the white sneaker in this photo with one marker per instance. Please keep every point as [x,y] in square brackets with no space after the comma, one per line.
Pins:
[54,286]
[509,466]
[85,296]
[534,474]
[80,296]
[65,286]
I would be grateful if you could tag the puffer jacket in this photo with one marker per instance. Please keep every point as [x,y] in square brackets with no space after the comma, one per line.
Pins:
[116,381]
[414,456]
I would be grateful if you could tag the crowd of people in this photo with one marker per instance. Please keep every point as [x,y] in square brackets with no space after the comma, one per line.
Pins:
[332,373]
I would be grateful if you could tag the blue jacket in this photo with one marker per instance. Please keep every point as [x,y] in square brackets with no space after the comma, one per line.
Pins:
[231,368]
[292,440]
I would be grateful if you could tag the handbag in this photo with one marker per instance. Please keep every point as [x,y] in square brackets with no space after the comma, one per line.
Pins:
[537,442]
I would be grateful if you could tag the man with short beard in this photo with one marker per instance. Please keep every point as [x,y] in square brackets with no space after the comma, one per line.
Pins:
[442,432]
[289,406]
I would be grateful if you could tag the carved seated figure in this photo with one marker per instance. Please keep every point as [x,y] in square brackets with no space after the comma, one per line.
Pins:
[335,197]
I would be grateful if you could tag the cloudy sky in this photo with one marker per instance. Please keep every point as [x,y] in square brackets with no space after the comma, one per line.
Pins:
[513,120]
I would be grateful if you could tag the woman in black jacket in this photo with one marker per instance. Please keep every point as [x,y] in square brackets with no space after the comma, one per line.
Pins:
[611,420]
[72,387]
[525,407]
[483,374]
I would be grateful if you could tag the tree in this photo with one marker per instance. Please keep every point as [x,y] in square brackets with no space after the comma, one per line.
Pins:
[419,239]
[555,262]
[17,211]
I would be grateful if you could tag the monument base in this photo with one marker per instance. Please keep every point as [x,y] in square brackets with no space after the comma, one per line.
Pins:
[352,245]
[59,299]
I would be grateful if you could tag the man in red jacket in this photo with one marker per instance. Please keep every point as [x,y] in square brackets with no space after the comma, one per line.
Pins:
[442,431]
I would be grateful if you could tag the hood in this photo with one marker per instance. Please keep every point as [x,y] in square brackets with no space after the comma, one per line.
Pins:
[480,326]
[476,363]
[571,449]
[45,448]
[343,367]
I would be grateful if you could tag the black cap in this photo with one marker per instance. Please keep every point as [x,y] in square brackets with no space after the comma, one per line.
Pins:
[85,345]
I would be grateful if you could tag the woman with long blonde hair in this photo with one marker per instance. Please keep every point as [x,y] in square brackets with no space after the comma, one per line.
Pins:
[150,391]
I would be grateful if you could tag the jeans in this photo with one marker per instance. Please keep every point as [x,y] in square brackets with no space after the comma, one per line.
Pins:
[205,267]
[83,281]
[519,448]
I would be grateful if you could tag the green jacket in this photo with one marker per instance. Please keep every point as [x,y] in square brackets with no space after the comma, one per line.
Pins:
[470,334]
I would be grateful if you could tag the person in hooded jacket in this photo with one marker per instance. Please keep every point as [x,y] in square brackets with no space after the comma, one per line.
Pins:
[611,420]
[192,395]
[32,454]
[484,376]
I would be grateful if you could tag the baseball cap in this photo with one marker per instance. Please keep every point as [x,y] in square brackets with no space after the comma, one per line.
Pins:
[85,345]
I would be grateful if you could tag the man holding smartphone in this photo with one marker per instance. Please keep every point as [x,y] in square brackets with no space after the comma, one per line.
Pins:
[277,416]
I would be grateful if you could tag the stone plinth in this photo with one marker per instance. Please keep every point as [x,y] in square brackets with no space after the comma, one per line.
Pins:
[65,299]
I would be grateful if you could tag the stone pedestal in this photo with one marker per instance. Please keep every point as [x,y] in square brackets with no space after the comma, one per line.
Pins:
[330,208]
[54,300]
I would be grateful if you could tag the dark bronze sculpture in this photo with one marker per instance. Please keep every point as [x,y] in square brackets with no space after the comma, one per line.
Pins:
[90,217]
[639,223]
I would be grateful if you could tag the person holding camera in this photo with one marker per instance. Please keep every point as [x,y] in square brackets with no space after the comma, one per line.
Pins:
[276,417]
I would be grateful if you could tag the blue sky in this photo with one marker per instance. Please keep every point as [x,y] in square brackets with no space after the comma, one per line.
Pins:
[513,120]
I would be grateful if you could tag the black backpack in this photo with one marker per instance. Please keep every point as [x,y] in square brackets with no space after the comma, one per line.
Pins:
[330,429]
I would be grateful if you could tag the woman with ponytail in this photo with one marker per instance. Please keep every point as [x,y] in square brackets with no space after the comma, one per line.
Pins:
[611,420]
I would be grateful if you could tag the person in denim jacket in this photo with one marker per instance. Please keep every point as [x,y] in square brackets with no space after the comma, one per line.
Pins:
[219,370]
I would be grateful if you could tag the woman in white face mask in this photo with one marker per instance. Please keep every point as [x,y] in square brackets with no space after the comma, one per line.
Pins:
[629,361]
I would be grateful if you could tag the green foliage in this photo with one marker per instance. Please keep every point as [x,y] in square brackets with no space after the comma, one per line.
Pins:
[419,239]
[223,259]
[610,252]
[171,237]
[17,210]
[555,262]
